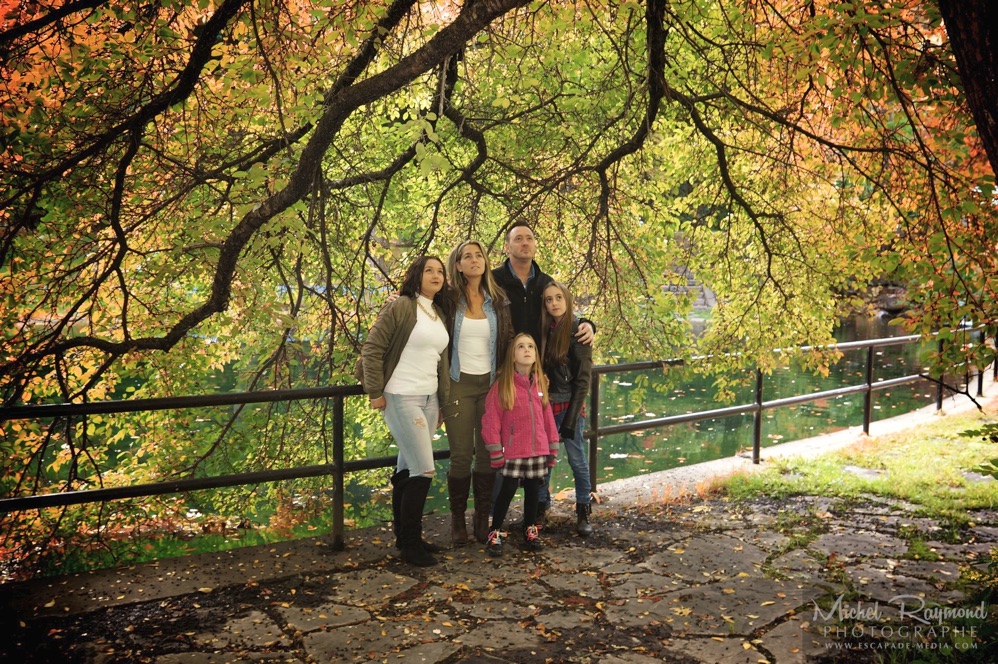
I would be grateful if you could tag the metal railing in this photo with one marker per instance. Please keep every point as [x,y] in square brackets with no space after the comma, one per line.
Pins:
[340,466]
[759,405]
[756,408]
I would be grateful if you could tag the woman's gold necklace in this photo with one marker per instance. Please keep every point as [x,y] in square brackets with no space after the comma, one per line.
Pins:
[432,314]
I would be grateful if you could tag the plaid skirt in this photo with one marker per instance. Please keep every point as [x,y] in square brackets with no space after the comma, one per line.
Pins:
[531,468]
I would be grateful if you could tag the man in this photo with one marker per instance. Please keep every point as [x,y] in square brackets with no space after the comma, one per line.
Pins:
[524,283]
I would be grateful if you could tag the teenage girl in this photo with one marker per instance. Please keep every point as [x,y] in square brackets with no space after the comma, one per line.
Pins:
[568,365]
[521,437]
[405,368]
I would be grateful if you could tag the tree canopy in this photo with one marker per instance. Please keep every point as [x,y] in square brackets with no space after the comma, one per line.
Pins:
[174,173]
[192,186]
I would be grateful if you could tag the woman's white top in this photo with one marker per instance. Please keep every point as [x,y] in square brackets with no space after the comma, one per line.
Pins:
[416,372]
[474,346]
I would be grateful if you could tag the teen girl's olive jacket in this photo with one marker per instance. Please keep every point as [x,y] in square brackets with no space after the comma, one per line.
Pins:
[383,348]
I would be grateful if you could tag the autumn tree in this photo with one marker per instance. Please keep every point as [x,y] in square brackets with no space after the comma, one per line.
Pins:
[228,188]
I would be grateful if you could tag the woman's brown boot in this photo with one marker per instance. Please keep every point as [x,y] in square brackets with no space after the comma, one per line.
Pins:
[484,484]
[457,490]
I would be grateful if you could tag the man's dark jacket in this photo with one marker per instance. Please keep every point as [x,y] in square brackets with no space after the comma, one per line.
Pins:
[524,301]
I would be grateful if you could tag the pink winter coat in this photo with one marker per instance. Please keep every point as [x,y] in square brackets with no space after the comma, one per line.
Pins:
[526,431]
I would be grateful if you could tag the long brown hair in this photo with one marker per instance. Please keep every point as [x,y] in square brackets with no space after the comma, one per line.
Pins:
[556,343]
[507,390]
[413,279]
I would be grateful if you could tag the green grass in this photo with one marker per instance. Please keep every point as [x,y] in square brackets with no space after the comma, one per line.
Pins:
[147,549]
[924,467]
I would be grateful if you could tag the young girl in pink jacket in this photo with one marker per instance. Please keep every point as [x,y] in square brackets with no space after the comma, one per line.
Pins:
[520,434]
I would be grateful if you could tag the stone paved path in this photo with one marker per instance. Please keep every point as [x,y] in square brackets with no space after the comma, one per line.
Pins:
[800,580]
[705,582]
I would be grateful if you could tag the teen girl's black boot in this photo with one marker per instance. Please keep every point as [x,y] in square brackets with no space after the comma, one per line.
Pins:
[411,529]
[582,521]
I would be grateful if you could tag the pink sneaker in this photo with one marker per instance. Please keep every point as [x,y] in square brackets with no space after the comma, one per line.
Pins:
[532,538]
[494,544]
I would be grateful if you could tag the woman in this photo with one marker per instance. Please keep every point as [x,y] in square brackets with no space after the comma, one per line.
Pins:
[405,376]
[479,336]
[568,365]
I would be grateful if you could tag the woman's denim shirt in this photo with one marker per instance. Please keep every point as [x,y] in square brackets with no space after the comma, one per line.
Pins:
[490,315]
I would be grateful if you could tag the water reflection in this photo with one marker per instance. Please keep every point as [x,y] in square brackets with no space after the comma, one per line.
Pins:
[632,396]
[636,396]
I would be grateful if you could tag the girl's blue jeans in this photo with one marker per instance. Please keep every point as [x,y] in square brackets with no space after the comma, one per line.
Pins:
[412,421]
[578,459]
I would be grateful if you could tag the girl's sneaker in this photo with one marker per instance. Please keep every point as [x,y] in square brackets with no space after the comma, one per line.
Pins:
[532,538]
[494,544]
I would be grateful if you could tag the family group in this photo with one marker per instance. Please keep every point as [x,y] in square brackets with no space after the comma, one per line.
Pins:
[500,358]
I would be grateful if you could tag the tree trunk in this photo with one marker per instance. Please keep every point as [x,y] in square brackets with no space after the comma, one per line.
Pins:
[972,26]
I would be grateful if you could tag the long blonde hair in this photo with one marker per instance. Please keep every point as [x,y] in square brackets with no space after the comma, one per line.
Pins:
[507,390]
[500,302]
[460,284]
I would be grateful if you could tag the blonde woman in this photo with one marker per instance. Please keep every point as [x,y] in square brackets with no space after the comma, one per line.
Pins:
[479,335]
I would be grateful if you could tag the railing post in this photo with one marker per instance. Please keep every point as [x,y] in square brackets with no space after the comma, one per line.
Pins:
[966,365]
[939,385]
[868,397]
[339,542]
[593,428]
[980,371]
[757,420]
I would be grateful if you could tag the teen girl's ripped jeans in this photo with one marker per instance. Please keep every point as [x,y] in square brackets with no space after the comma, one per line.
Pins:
[412,421]
[578,459]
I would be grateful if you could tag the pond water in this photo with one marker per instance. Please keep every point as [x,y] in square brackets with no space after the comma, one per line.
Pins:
[635,396]
[627,397]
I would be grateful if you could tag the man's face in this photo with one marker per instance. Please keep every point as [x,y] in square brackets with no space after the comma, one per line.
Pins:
[521,244]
